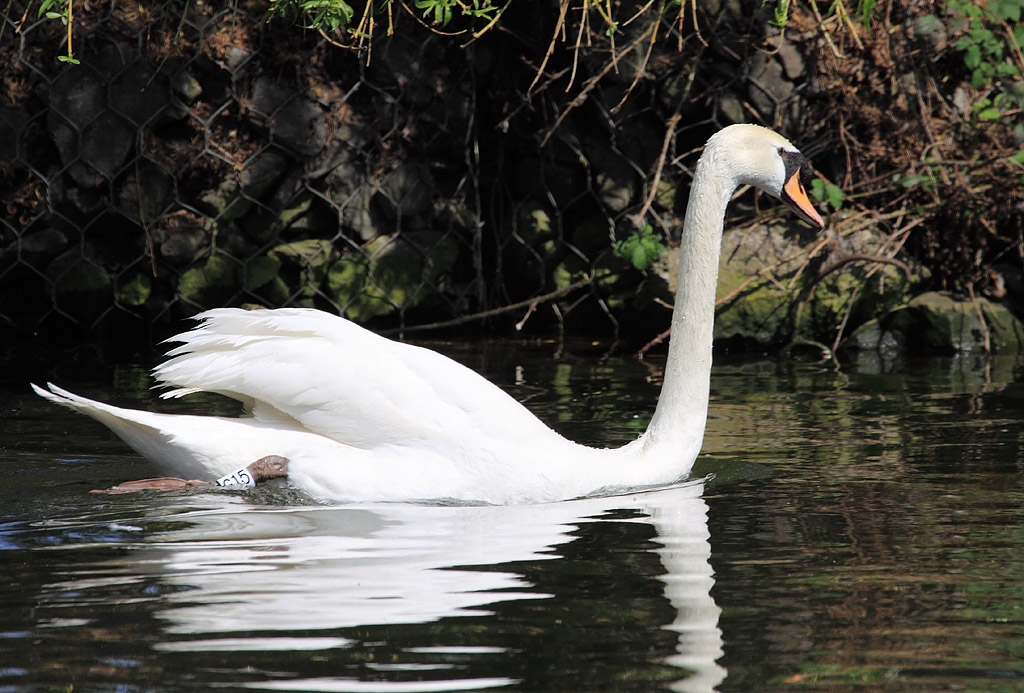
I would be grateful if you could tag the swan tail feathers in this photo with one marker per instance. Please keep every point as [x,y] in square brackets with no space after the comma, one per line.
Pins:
[139,429]
[120,421]
[64,398]
[175,443]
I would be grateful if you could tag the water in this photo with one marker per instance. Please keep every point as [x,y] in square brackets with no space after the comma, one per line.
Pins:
[860,530]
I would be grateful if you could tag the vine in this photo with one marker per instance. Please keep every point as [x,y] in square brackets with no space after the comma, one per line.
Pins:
[64,10]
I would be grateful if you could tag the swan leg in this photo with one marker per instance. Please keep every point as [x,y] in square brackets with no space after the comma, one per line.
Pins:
[263,469]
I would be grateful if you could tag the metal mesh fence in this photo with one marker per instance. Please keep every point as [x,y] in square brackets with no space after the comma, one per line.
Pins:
[198,157]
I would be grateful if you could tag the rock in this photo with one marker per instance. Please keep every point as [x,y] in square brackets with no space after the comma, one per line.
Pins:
[145,191]
[791,59]
[938,322]
[732,108]
[615,180]
[12,124]
[91,121]
[186,87]
[72,200]
[590,238]
[405,63]
[134,290]
[406,192]
[237,59]
[768,87]
[391,273]
[77,98]
[139,93]
[534,223]
[348,186]
[180,236]
[106,142]
[260,270]
[261,173]
[354,132]
[210,282]
[296,123]
[81,287]
[762,312]
[44,243]
[782,305]
[304,265]
[233,199]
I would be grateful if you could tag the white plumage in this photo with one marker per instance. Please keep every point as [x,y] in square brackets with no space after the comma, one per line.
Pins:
[364,418]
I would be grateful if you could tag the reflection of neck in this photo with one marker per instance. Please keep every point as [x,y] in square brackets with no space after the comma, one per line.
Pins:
[683,404]
[682,533]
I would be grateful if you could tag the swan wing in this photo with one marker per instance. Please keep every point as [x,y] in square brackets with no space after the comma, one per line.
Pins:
[344,382]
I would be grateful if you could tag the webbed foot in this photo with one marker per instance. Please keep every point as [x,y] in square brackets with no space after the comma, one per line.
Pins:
[161,483]
[263,469]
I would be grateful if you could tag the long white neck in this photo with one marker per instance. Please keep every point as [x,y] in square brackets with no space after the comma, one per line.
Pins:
[678,422]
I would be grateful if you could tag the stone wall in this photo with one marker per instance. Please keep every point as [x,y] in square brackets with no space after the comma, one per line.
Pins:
[213,159]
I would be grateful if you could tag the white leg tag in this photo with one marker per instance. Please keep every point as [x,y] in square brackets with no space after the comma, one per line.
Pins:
[240,479]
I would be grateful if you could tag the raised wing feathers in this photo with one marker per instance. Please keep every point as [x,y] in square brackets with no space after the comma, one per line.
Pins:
[339,380]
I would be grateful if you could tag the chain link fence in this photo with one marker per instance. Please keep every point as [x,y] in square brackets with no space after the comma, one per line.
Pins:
[198,157]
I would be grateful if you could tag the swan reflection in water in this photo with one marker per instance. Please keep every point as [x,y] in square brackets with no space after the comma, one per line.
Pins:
[292,573]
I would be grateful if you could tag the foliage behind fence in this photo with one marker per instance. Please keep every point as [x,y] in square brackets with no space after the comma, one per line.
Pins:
[196,156]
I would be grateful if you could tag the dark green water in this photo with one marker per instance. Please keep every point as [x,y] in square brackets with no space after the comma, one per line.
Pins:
[862,530]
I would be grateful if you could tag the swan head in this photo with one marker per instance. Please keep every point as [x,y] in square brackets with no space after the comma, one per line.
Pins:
[763,158]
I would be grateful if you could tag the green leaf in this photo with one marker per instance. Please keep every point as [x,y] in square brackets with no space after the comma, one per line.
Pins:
[641,249]
[981,35]
[1010,11]
[828,192]
[835,196]
[972,58]
[639,257]
[990,114]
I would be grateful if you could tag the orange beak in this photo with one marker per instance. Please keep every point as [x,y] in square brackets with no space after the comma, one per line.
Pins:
[794,195]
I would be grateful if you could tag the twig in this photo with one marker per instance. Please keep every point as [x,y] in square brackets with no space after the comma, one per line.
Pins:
[642,68]
[986,334]
[864,257]
[824,31]
[527,102]
[696,27]
[737,291]
[490,25]
[588,86]
[638,13]
[841,12]
[559,27]
[653,343]
[670,129]
[846,318]
[529,311]
[71,24]
[462,319]
[576,48]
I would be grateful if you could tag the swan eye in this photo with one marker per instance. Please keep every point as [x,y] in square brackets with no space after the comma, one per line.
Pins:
[794,162]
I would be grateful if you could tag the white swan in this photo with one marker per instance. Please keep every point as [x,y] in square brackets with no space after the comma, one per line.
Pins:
[363,418]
